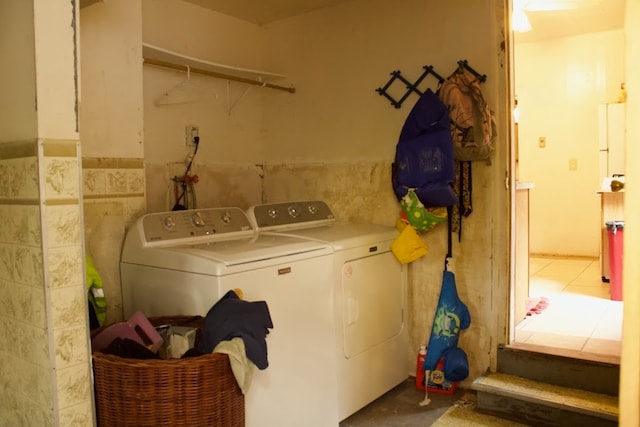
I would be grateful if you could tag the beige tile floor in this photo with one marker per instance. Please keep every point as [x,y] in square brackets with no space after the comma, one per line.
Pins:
[580,319]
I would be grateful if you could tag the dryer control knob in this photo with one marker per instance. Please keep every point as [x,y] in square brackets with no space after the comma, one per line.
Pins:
[198,220]
[293,211]
[169,223]
[226,217]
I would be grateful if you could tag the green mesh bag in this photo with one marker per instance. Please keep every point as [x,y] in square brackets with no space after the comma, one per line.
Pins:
[421,218]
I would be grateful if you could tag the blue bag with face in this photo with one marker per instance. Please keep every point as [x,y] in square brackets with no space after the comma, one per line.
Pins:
[451,317]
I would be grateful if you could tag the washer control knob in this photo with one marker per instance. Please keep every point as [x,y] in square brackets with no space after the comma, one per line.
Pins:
[169,223]
[313,209]
[272,212]
[198,220]
[293,211]
[226,217]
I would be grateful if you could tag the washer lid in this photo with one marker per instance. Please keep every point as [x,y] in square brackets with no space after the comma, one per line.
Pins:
[263,247]
[218,258]
[344,235]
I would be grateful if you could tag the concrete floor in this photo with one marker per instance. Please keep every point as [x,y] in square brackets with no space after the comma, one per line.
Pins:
[400,408]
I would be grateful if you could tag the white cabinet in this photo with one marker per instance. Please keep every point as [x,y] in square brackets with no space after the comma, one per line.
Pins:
[611,139]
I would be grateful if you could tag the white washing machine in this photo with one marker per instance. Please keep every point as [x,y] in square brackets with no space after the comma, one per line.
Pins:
[370,290]
[182,262]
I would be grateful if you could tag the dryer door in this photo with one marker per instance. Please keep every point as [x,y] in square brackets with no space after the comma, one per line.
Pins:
[372,302]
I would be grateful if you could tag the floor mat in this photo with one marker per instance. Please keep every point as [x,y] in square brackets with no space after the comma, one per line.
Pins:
[536,305]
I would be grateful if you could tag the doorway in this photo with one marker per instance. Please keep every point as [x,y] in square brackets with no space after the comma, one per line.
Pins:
[559,80]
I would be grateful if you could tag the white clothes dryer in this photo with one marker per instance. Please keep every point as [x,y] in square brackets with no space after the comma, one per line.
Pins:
[182,262]
[370,290]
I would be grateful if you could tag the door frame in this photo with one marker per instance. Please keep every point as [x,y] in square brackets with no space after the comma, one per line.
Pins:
[512,169]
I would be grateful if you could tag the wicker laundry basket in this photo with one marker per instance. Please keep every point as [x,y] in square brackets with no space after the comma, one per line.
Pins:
[196,391]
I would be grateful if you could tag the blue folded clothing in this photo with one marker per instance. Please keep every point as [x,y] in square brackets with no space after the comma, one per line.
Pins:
[232,317]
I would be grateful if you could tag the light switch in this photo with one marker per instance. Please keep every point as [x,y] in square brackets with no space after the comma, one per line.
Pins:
[542,142]
[573,164]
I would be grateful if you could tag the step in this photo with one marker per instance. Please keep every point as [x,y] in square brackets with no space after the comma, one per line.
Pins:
[590,375]
[541,404]
[463,414]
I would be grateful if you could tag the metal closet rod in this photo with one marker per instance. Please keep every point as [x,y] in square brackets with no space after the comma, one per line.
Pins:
[218,75]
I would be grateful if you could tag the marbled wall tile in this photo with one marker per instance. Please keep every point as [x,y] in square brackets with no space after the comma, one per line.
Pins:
[63,225]
[23,225]
[116,181]
[8,306]
[95,182]
[4,217]
[21,263]
[28,266]
[7,219]
[36,383]
[19,410]
[61,178]
[7,175]
[135,180]
[28,343]
[22,399]
[9,407]
[71,346]
[65,266]
[7,261]
[27,304]
[35,276]
[24,333]
[19,178]
[10,376]
[74,385]
[68,306]
[37,415]
[4,356]
[80,415]
[22,377]
[5,344]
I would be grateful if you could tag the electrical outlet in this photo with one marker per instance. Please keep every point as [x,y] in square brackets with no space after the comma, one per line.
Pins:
[542,142]
[190,135]
[573,164]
